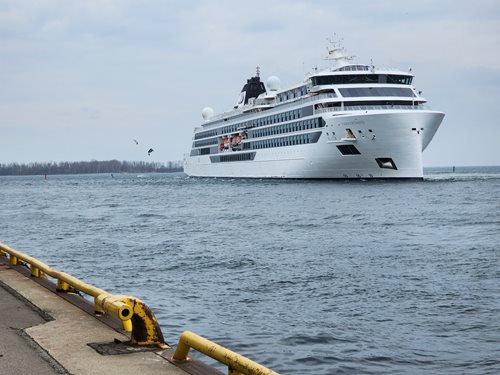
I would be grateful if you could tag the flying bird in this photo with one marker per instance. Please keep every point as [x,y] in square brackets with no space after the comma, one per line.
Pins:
[135,140]
[150,151]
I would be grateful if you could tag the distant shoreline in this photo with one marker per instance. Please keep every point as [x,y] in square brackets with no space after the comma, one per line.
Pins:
[88,167]
[115,166]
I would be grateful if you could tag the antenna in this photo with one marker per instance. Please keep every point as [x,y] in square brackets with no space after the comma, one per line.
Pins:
[336,54]
[336,41]
[258,71]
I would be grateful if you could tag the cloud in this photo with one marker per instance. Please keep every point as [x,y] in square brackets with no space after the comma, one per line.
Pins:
[149,67]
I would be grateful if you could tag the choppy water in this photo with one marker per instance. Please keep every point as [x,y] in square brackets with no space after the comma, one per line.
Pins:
[304,277]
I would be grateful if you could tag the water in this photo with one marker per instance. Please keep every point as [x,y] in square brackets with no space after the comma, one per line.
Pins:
[304,277]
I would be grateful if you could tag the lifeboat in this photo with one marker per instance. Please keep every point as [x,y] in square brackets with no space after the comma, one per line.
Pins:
[236,140]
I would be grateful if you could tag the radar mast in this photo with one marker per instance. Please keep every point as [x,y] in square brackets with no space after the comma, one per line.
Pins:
[336,53]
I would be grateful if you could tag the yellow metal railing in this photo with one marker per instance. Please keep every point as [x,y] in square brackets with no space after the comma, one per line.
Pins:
[237,364]
[135,315]
[137,318]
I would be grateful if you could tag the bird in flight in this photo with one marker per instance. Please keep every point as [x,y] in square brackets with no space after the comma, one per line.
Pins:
[135,140]
[150,151]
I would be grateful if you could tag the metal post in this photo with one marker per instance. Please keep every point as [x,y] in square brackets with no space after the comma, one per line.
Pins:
[35,271]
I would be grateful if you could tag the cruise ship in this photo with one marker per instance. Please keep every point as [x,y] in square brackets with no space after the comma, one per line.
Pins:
[348,121]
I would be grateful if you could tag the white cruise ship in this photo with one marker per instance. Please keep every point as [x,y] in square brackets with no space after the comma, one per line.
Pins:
[349,121]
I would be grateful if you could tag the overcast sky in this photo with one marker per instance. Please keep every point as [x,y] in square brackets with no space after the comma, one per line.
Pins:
[79,80]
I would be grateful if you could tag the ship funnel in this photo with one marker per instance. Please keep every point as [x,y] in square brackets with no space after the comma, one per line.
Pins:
[252,89]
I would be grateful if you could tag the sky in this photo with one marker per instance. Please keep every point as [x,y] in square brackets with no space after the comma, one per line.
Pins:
[80,80]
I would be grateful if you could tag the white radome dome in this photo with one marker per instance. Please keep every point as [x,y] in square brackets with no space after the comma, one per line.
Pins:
[207,113]
[273,83]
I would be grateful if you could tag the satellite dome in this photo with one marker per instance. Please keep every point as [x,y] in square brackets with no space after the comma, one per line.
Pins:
[207,113]
[273,83]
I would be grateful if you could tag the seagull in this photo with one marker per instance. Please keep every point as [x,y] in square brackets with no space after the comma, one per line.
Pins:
[150,151]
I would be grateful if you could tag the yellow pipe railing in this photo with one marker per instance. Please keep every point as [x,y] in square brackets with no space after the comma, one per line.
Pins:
[137,318]
[237,364]
[135,315]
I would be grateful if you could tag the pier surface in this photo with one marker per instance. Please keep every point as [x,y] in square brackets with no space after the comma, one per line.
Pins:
[43,333]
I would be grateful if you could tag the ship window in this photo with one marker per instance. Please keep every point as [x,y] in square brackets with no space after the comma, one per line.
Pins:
[362,78]
[348,150]
[386,163]
[399,79]
[375,91]
[232,158]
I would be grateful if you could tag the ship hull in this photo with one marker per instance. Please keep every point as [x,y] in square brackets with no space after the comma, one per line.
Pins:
[382,144]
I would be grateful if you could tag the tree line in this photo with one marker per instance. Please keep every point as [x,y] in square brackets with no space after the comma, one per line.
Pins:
[94,166]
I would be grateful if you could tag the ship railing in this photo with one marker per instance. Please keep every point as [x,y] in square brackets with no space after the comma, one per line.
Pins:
[371,107]
[354,68]
[282,105]
[313,98]
[365,68]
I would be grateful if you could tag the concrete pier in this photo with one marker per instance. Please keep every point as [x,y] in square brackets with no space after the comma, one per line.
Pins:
[42,333]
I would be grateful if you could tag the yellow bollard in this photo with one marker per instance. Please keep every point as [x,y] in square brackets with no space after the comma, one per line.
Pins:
[136,318]
[145,327]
